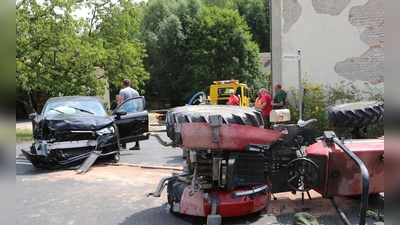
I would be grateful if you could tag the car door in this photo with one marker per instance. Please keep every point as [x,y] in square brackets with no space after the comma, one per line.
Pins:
[132,120]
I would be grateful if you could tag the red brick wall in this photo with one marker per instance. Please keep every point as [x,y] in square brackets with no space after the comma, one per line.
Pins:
[369,66]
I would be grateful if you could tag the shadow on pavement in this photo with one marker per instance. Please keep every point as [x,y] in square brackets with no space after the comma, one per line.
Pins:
[29,169]
[161,215]
[155,216]
[178,160]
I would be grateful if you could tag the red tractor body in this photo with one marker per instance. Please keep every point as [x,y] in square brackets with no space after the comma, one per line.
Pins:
[195,205]
[233,165]
[232,136]
[340,175]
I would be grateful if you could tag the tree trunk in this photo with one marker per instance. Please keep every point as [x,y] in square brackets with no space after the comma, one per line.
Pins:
[39,98]
[26,100]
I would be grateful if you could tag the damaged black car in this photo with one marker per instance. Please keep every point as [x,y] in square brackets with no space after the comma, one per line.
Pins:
[70,129]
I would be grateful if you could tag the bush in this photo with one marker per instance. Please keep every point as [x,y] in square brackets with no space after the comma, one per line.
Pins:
[318,98]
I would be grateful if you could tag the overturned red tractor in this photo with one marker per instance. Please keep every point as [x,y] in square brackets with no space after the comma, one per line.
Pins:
[233,165]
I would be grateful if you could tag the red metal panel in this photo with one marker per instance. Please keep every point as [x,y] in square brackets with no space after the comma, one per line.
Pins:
[320,150]
[349,180]
[227,207]
[192,205]
[232,136]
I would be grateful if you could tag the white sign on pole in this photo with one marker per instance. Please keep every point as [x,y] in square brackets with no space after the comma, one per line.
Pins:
[291,57]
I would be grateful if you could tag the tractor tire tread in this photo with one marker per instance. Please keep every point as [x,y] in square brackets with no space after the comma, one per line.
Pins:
[356,114]
[200,113]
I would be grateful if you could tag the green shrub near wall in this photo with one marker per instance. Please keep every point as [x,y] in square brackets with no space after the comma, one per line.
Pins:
[318,98]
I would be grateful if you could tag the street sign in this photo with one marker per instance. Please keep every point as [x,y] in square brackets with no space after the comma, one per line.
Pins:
[291,57]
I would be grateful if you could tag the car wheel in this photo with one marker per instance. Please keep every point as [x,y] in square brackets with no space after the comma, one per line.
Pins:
[356,114]
[200,113]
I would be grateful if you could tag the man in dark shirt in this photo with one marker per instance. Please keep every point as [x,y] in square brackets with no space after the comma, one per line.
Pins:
[279,101]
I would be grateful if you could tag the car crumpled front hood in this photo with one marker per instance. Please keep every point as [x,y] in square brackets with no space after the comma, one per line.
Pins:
[65,122]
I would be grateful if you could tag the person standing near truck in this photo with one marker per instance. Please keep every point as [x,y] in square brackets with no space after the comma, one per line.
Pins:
[233,99]
[279,101]
[126,93]
[258,101]
[266,107]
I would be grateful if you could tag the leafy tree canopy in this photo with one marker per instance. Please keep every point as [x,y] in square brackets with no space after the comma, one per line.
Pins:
[256,15]
[116,27]
[190,45]
[59,55]
[53,57]
[220,49]
[183,44]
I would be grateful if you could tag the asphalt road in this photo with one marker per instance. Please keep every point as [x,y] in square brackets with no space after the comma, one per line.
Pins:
[109,194]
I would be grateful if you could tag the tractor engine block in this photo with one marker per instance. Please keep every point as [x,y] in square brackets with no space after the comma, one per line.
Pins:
[227,169]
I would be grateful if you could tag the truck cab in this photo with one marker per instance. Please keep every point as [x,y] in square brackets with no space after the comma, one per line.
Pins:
[219,92]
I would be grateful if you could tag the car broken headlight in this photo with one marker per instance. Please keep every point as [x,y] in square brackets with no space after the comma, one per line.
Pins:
[106,130]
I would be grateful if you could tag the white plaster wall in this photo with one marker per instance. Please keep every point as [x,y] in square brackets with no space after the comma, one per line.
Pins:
[323,40]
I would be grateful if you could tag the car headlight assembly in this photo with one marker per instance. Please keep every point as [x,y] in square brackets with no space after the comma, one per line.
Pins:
[106,130]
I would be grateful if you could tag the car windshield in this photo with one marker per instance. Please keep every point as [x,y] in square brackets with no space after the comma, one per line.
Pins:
[77,106]
[224,91]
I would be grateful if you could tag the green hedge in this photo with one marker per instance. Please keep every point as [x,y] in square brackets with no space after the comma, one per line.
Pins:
[318,98]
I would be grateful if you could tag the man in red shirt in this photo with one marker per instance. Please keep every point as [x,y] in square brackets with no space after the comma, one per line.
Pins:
[266,107]
[233,100]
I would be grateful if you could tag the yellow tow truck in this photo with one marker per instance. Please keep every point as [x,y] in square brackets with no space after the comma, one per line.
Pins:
[219,95]
[219,92]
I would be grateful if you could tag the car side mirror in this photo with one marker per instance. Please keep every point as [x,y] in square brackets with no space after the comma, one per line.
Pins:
[120,113]
[32,116]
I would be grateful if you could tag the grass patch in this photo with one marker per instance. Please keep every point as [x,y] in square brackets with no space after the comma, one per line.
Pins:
[23,135]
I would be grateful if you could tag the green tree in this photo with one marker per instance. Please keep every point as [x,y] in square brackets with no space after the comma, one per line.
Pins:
[190,46]
[256,15]
[53,56]
[223,4]
[116,27]
[220,48]
[165,27]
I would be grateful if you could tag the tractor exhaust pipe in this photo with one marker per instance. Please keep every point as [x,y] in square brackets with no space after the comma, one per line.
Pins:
[160,187]
[160,140]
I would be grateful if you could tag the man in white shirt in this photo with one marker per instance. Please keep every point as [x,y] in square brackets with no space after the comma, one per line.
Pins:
[126,93]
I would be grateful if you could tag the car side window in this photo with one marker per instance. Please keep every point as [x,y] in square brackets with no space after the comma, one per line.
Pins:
[132,105]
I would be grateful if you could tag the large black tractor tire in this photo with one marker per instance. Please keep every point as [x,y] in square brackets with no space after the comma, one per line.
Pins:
[356,114]
[200,113]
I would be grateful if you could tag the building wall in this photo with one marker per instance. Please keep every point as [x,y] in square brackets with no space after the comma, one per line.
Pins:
[265,58]
[339,40]
[106,96]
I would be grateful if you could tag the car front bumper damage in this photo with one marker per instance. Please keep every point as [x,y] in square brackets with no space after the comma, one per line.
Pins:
[53,155]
